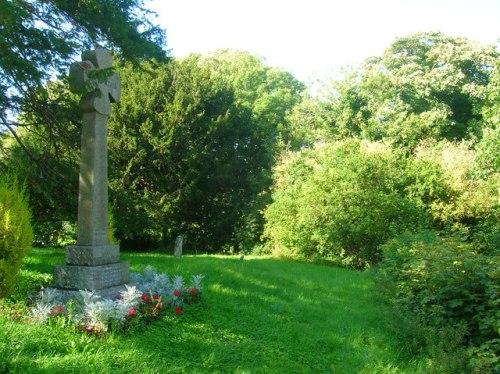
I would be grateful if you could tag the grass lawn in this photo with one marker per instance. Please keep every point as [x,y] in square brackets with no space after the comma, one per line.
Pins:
[258,315]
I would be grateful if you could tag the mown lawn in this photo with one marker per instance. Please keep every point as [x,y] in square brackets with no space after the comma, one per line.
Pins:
[258,315]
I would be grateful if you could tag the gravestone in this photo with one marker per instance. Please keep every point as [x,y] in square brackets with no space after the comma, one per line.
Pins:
[93,263]
[178,246]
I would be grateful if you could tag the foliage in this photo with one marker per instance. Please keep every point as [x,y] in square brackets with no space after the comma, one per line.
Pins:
[309,123]
[487,155]
[189,141]
[424,86]
[490,108]
[16,236]
[445,282]
[250,226]
[54,233]
[339,201]
[191,145]
[441,180]
[148,297]
[50,167]
[39,38]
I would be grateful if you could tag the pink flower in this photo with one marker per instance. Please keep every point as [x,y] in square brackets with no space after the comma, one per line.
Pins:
[193,291]
[178,311]
[144,297]
[176,293]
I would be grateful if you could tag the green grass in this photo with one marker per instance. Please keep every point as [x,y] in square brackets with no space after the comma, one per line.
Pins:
[259,315]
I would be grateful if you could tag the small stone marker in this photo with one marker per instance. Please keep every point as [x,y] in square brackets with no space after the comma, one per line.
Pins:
[93,263]
[178,246]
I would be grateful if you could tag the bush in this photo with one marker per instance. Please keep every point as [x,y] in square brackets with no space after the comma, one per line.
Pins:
[446,283]
[442,180]
[52,233]
[16,235]
[339,201]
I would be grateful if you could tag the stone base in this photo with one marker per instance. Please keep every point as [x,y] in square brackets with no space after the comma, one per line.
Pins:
[106,293]
[72,277]
[92,255]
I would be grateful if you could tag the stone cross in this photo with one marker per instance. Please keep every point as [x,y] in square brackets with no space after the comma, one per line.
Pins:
[96,107]
[93,263]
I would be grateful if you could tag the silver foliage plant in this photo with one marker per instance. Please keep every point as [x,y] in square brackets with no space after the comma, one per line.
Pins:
[161,284]
[89,310]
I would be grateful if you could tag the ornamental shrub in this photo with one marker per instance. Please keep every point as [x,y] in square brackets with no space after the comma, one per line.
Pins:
[445,282]
[339,201]
[16,235]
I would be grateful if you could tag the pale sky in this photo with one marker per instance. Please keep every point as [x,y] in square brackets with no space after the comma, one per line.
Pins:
[313,38]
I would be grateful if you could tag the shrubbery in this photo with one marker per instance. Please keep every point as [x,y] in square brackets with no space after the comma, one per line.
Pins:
[441,180]
[54,233]
[16,235]
[339,201]
[445,282]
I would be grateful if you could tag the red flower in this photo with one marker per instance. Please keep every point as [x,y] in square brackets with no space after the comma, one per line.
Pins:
[144,297]
[58,308]
[193,291]
[131,312]
[159,306]
[178,311]
[176,293]
[156,297]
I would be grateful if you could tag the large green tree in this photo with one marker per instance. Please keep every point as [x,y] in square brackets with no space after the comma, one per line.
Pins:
[192,143]
[424,86]
[38,40]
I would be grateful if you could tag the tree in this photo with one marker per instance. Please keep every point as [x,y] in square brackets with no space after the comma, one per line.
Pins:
[191,143]
[425,86]
[38,40]
[191,146]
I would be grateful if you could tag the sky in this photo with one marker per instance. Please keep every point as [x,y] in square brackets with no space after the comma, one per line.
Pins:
[313,39]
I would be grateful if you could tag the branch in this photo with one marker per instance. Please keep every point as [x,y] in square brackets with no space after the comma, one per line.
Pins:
[20,142]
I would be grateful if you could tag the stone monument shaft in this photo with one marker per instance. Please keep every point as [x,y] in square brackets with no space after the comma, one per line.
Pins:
[93,263]
[93,190]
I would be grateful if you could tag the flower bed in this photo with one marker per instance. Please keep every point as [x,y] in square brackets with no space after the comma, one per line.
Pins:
[148,296]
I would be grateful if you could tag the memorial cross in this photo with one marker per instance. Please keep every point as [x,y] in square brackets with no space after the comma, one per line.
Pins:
[93,263]
[96,107]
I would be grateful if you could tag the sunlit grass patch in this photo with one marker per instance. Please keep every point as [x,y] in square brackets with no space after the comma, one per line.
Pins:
[257,315]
